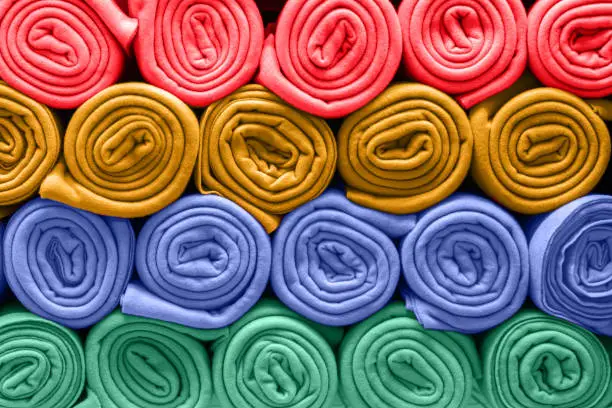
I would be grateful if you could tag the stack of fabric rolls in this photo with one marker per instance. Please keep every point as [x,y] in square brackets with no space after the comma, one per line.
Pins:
[305,204]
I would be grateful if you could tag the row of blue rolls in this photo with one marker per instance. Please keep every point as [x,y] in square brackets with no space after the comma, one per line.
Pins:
[464,265]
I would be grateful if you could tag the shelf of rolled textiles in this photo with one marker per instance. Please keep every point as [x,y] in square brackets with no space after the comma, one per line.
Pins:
[305,204]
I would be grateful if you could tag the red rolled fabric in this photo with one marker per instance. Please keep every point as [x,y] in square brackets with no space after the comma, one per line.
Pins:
[62,52]
[472,49]
[570,45]
[199,50]
[331,57]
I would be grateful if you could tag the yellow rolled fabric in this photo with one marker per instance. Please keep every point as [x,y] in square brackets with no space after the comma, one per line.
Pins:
[537,149]
[29,147]
[406,150]
[264,154]
[128,152]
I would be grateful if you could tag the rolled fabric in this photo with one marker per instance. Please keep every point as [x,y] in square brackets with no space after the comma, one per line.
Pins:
[273,358]
[466,265]
[390,361]
[2,277]
[537,149]
[43,365]
[331,57]
[406,150]
[472,49]
[133,362]
[30,147]
[67,265]
[203,262]
[263,154]
[199,50]
[538,361]
[569,253]
[128,152]
[62,53]
[570,46]
[335,262]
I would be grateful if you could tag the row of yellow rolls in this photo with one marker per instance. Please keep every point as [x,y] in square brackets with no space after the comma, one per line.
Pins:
[530,148]
[132,149]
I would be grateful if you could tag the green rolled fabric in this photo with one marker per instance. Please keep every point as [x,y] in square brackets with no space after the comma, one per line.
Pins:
[390,361]
[134,362]
[273,358]
[41,363]
[535,361]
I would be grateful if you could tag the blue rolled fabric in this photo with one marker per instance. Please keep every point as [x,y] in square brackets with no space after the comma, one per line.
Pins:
[2,278]
[335,262]
[203,262]
[570,254]
[65,264]
[466,265]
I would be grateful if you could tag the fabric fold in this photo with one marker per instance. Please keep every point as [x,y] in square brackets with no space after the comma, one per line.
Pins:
[202,261]
[30,134]
[570,45]
[570,255]
[128,152]
[390,361]
[331,57]
[469,48]
[466,265]
[335,262]
[62,53]
[199,50]
[67,265]
[137,362]
[42,362]
[274,358]
[538,361]
[537,149]
[263,154]
[408,149]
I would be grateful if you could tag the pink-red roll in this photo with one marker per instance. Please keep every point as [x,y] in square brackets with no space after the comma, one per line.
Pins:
[331,57]
[199,50]
[62,52]
[471,49]
[570,45]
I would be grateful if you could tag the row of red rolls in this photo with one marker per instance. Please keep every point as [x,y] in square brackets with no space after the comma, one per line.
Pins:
[326,57]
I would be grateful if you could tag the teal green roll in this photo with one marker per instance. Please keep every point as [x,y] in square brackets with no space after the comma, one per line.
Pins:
[41,363]
[134,362]
[273,358]
[390,361]
[538,361]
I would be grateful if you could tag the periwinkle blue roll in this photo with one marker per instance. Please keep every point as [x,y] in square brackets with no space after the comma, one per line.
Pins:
[570,253]
[466,265]
[203,262]
[65,264]
[2,278]
[334,261]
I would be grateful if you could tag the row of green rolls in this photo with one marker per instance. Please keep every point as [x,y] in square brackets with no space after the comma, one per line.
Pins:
[273,358]
[132,149]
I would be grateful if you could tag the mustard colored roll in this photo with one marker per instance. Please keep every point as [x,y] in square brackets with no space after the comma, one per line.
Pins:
[264,154]
[406,150]
[128,152]
[537,149]
[29,147]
